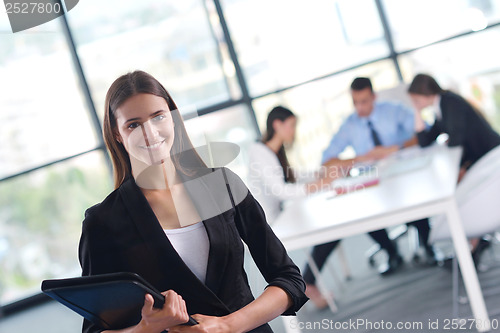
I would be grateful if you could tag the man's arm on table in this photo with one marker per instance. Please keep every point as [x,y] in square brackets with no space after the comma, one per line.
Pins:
[376,153]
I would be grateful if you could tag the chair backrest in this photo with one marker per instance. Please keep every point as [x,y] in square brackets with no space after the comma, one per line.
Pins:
[485,170]
[478,199]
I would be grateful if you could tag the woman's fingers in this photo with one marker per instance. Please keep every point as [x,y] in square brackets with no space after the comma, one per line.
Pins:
[184,310]
[175,306]
[190,329]
[173,312]
[171,299]
[148,303]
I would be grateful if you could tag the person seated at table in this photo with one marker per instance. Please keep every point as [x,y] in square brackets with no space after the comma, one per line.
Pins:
[376,130]
[464,124]
[271,179]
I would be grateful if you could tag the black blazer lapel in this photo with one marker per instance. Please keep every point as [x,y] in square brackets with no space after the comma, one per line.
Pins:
[210,191]
[218,256]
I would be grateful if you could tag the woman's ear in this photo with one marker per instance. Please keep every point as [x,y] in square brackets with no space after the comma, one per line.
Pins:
[277,125]
[118,137]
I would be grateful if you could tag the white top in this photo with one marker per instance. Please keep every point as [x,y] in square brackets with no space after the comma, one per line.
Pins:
[437,107]
[267,182]
[192,245]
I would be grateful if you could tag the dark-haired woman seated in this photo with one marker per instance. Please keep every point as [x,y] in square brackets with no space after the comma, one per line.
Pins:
[273,181]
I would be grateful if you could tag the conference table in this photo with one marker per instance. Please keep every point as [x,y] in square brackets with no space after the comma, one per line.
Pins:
[412,184]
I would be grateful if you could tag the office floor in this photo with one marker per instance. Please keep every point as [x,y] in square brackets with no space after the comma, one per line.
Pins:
[414,296]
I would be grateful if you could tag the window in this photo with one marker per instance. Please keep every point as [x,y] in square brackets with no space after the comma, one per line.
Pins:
[321,106]
[40,222]
[172,40]
[44,119]
[44,116]
[468,65]
[286,42]
[228,125]
[417,23]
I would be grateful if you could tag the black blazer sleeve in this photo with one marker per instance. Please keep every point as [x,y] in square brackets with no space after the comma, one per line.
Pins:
[96,253]
[266,249]
[87,240]
[94,245]
[456,115]
[465,126]
[454,111]
[427,137]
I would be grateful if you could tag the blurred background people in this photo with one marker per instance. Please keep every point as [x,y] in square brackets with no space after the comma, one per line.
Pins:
[270,177]
[463,123]
[376,130]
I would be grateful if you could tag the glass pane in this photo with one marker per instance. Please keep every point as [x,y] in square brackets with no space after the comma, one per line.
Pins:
[229,125]
[40,222]
[416,23]
[321,106]
[43,113]
[475,76]
[172,40]
[285,42]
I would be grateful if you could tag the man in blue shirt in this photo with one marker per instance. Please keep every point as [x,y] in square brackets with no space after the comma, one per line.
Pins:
[393,124]
[374,131]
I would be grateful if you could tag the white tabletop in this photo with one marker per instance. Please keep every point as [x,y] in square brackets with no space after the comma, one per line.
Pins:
[413,184]
[411,179]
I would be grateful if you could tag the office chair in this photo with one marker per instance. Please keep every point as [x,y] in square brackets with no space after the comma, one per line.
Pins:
[477,199]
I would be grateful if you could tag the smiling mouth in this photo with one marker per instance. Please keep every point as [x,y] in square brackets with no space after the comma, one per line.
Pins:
[153,146]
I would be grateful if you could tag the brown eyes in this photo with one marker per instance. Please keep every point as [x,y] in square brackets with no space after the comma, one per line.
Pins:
[156,119]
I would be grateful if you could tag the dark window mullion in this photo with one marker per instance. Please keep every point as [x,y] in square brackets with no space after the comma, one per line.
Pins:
[234,58]
[388,37]
[84,85]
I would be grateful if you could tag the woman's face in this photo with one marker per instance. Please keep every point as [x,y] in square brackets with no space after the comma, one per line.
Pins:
[422,101]
[286,129]
[145,128]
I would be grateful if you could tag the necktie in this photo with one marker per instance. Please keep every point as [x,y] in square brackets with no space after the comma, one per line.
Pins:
[375,137]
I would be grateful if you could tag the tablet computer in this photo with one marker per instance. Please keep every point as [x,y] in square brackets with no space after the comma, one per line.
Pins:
[111,301]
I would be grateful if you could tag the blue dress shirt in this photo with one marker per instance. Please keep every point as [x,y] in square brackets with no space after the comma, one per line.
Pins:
[393,122]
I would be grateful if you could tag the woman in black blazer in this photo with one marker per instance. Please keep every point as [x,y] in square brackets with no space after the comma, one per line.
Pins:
[465,126]
[455,116]
[163,188]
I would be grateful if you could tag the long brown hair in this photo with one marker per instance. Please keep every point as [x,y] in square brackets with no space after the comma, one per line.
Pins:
[426,85]
[124,87]
[279,113]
